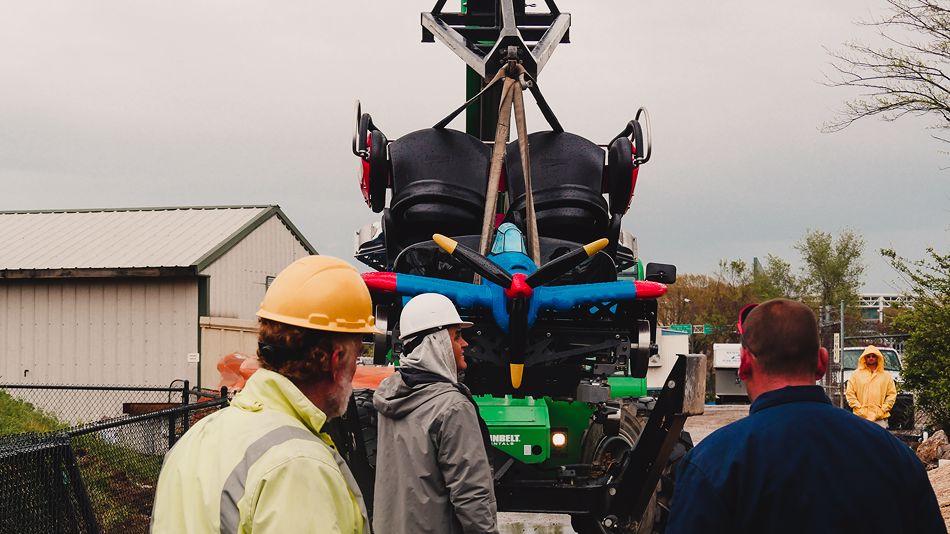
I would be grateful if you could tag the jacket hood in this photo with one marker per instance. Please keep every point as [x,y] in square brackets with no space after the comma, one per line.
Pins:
[434,355]
[871,349]
[396,399]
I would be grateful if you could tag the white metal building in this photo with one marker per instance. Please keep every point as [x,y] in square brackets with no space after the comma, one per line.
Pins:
[872,305]
[116,296]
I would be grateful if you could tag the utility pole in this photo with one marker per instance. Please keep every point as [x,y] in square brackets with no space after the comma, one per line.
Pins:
[828,381]
[838,357]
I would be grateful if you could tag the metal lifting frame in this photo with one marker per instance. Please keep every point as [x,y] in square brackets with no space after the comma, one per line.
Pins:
[482,42]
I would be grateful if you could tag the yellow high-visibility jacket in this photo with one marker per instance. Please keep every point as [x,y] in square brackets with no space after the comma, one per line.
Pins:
[259,466]
[871,394]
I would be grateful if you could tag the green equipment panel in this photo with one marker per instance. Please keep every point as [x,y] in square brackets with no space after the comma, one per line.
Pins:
[627,386]
[518,427]
[524,427]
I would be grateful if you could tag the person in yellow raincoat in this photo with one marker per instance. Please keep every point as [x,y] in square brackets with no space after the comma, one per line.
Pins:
[263,465]
[871,391]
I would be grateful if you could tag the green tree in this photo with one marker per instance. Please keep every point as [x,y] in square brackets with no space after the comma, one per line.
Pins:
[927,350]
[831,268]
[906,76]
[705,299]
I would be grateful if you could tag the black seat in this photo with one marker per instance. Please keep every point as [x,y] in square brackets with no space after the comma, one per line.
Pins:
[567,178]
[439,180]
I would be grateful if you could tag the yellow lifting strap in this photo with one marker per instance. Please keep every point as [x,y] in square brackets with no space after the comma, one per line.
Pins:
[512,96]
[534,245]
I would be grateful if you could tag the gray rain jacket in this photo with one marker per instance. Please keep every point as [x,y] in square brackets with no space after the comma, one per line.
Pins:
[432,470]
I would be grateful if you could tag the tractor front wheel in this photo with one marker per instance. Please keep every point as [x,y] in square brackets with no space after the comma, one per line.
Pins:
[602,451]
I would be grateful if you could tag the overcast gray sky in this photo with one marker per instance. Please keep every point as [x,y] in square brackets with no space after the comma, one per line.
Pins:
[124,103]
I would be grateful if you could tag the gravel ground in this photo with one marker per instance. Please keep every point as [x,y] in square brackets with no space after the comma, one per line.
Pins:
[699,427]
[518,523]
[713,418]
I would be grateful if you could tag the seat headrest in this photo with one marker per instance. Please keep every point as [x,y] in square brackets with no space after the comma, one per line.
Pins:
[557,159]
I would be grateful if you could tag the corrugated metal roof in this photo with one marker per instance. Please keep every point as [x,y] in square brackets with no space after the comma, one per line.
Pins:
[125,238]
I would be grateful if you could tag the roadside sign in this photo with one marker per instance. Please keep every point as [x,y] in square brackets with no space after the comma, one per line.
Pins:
[726,355]
[698,329]
[708,329]
[837,347]
[194,357]
[684,328]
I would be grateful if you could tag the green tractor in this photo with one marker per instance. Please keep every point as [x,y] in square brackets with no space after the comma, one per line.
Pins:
[522,239]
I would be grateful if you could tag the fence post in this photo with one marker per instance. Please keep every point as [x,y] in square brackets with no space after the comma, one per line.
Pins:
[172,420]
[171,431]
[186,419]
[78,487]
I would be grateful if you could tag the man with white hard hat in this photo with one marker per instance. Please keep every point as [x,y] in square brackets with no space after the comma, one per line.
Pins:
[432,468]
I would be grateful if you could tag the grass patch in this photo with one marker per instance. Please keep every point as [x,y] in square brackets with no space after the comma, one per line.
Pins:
[18,416]
[120,482]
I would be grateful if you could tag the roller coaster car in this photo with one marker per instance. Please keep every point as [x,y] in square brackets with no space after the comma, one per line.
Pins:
[438,178]
[560,328]
[562,336]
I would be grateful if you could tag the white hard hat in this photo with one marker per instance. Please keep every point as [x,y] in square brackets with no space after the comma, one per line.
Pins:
[427,311]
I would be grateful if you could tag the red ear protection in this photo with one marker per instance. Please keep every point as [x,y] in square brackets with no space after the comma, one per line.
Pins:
[822,363]
[745,369]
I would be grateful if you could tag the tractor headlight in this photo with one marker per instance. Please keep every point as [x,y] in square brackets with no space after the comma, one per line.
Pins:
[559,439]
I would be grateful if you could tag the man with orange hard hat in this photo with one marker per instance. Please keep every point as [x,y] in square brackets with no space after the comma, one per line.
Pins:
[262,465]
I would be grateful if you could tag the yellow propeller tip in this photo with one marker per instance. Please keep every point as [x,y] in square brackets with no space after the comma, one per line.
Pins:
[517,370]
[596,246]
[445,243]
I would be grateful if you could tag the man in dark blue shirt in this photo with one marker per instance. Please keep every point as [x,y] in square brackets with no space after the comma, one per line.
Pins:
[798,464]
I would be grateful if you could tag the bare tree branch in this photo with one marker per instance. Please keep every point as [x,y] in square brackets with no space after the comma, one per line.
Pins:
[908,77]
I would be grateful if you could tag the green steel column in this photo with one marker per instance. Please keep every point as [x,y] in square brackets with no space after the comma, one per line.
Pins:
[481,118]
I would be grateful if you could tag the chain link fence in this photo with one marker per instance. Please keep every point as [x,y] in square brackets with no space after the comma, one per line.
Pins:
[96,476]
[41,487]
[76,405]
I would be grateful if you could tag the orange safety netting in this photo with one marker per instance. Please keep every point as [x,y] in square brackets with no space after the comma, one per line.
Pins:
[369,376]
[235,369]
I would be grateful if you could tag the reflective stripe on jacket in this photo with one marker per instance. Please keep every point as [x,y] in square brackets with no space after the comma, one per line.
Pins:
[871,394]
[259,466]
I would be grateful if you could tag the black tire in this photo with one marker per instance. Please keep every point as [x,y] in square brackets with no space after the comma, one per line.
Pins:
[602,450]
[619,173]
[378,171]
[902,414]
[598,448]
[664,494]
[368,417]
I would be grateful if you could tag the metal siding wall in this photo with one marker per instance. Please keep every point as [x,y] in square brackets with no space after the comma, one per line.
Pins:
[238,278]
[115,331]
